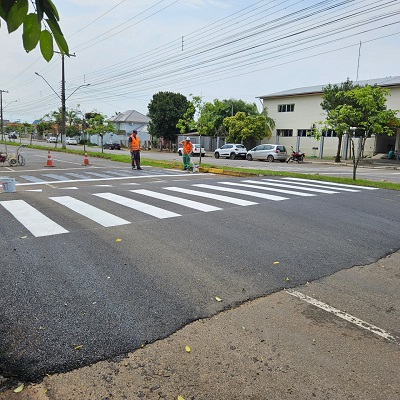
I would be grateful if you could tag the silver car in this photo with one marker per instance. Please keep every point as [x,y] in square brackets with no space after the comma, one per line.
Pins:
[269,152]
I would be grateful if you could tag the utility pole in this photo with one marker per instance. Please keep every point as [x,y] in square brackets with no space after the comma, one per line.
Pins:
[1,112]
[63,145]
[62,97]
[63,109]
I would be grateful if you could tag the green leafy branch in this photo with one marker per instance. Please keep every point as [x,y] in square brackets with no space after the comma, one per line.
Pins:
[15,13]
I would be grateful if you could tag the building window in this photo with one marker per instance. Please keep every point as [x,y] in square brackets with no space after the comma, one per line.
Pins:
[284,132]
[303,132]
[329,133]
[285,107]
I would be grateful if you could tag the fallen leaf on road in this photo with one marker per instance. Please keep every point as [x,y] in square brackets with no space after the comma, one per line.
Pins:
[118,240]
[187,348]
[287,279]
[217,298]
[23,237]
[78,346]
[276,262]
[180,398]
[20,388]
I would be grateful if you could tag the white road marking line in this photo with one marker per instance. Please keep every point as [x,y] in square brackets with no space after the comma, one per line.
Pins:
[68,188]
[103,218]
[177,200]
[331,183]
[284,191]
[274,182]
[139,206]
[33,220]
[219,197]
[93,179]
[245,192]
[315,184]
[341,314]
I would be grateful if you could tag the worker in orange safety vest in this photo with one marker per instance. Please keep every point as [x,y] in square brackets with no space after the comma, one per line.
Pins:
[134,145]
[187,148]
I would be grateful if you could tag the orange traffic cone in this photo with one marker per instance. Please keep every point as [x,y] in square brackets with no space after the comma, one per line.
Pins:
[86,160]
[49,160]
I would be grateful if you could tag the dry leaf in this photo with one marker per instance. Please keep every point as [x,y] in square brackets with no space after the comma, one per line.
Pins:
[217,298]
[287,279]
[187,348]
[118,240]
[78,346]
[180,398]
[20,388]
[276,262]
[23,237]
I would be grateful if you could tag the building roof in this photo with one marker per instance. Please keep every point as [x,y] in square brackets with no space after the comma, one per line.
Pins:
[130,116]
[383,82]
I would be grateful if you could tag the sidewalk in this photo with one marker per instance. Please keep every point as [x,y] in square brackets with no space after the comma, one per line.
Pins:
[365,163]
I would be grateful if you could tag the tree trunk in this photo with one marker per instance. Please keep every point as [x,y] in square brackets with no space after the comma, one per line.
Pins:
[337,158]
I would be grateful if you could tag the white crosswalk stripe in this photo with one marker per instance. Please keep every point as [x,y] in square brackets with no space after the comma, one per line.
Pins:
[344,185]
[40,225]
[138,206]
[33,220]
[255,185]
[177,200]
[274,182]
[214,196]
[103,218]
[245,192]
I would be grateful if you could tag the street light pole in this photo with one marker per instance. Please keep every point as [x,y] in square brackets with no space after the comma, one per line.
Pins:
[63,145]
[1,112]
[62,98]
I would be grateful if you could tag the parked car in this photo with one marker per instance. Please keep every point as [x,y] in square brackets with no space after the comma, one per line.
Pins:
[195,150]
[231,151]
[112,145]
[12,136]
[70,140]
[269,152]
[51,139]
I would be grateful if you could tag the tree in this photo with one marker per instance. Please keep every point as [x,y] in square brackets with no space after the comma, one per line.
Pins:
[15,14]
[244,127]
[165,110]
[333,97]
[363,114]
[99,125]
[213,114]
[43,127]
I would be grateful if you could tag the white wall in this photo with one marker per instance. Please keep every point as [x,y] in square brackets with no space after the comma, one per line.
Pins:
[308,111]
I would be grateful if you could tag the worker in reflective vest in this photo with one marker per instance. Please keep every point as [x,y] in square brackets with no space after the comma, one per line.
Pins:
[186,152]
[134,144]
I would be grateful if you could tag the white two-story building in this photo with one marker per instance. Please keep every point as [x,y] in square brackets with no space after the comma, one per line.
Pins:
[295,111]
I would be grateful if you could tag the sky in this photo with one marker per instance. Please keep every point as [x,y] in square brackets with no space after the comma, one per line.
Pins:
[129,50]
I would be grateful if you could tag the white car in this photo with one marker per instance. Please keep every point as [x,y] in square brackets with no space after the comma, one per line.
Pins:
[51,139]
[231,150]
[195,150]
[70,140]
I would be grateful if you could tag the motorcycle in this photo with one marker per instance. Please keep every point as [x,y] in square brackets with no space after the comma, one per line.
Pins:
[296,156]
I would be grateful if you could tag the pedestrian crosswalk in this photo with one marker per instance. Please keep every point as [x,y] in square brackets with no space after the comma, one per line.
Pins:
[90,176]
[157,203]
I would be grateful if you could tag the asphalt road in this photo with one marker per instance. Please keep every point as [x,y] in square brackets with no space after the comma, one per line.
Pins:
[75,291]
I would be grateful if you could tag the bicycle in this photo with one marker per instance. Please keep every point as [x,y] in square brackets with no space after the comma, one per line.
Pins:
[20,157]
